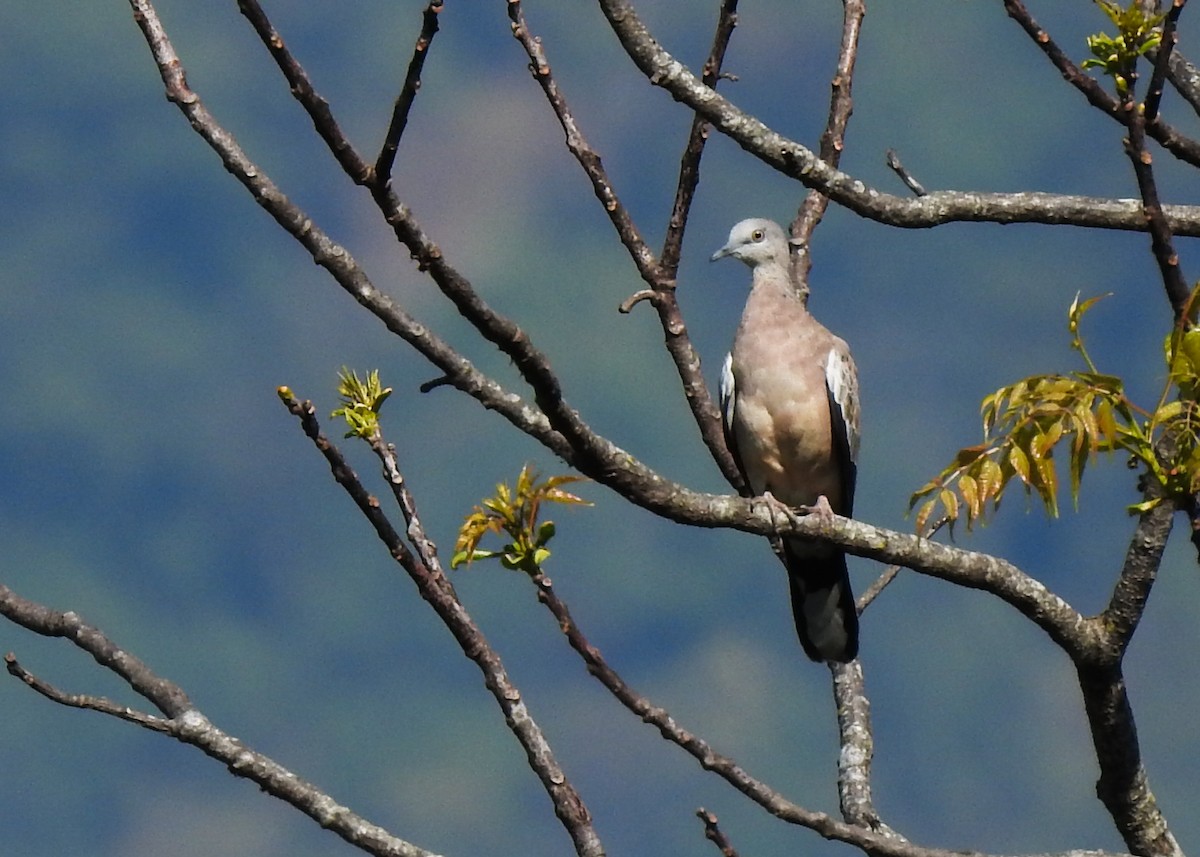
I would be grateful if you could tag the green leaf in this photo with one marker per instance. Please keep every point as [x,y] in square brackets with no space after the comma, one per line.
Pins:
[969,489]
[1020,463]
[516,512]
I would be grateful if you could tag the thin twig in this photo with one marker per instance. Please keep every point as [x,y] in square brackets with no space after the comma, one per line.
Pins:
[658,277]
[679,346]
[693,150]
[833,139]
[1162,243]
[1162,61]
[873,842]
[1184,148]
[792,159]
[187,724]
[436,590]
[83,700]
[408,94]
[302,88]
[714,834]
[894,164]
[539,66]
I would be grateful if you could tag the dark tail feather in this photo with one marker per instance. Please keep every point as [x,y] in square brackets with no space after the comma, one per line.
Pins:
[823,605]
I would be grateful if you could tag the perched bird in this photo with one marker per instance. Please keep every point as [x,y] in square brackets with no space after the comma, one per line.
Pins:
[789,398]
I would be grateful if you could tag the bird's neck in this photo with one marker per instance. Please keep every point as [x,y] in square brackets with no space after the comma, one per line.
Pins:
[773,282]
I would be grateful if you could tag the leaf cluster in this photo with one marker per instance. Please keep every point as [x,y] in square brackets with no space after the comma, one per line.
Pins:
[515,513]
[1137,32]
[361,401]
[1080,415]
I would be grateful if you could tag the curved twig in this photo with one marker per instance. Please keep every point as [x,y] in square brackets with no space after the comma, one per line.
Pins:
[792,159]
[187,724]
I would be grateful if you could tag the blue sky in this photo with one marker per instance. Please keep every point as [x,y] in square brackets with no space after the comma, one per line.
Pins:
[150,480]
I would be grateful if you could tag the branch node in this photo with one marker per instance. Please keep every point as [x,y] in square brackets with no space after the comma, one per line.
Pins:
[636,298]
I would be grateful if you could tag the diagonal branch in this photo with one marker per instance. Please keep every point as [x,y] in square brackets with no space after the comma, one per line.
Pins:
[878,843]
[1182,147]
[643,257]
[679,345]
[84,701]
[693,151]
[382,173]
[1162,243]
[1162,60]
[185,723]
[302,88]
[659,276]
[565,433]
[436,590]
[800,163]
[841,105]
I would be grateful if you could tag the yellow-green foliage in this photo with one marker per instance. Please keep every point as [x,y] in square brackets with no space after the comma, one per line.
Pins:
[1079,415]
[361,401]
[1137,33]
[515,513]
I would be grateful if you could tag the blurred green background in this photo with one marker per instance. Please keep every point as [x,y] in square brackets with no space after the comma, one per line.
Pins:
[152,482]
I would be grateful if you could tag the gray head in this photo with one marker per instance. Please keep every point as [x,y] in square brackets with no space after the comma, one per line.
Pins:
[756,241]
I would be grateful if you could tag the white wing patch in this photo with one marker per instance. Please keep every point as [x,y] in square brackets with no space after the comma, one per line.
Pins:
[727,394]
[842,379]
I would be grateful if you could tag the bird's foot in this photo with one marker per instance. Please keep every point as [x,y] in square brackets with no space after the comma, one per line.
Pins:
[821,510]
[777,509]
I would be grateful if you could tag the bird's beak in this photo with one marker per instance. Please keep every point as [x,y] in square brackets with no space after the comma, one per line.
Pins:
[721,254]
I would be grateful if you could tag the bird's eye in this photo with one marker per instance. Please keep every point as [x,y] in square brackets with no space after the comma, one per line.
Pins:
[756,235]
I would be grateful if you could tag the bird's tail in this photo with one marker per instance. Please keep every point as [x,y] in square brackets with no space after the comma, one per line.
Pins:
[822,602]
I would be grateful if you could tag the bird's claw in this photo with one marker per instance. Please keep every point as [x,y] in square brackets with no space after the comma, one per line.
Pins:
[820,510]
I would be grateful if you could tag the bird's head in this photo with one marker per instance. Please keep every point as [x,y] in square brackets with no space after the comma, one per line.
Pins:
[756,241]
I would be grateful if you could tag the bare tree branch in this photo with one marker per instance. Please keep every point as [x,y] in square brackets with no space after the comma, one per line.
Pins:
[1123,787]
[302,88]
[435,588]
[833,138]
[187,724]
[658,276]
[687,362]
[1162,243]
[714,834]
[1162,61]
[84,701]
[408,94]
[1184,148]
[870,835]
[858,748]
[934,209]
